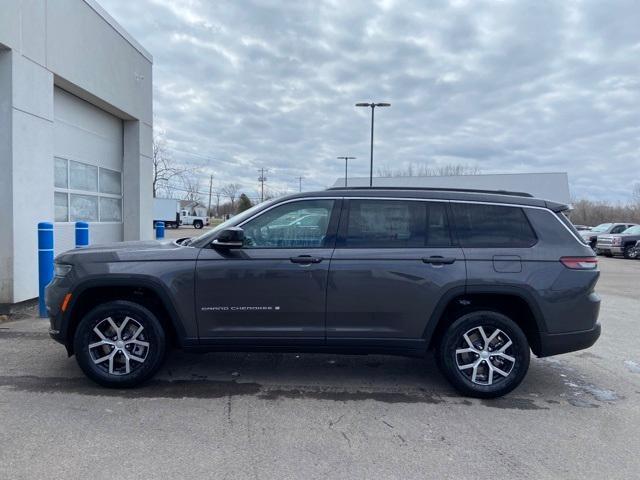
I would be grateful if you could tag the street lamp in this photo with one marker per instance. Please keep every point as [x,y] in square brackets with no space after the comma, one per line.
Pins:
[373,107]
[346,159]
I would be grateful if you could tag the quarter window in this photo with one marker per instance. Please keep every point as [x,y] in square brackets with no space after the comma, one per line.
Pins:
[301,224]
[495,226]
[396,224]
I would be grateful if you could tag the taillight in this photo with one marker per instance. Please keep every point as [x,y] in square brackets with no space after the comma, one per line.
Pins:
[580,263]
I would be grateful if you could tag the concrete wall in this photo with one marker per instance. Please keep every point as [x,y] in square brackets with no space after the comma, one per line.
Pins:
[77,46]
[549,186]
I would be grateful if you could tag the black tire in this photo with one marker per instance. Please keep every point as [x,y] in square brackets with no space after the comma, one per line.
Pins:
[630,252]
[453,339]
[197,224]
[152,334]
[607,253]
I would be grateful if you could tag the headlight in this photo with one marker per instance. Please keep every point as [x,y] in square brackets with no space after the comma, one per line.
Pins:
[60,270]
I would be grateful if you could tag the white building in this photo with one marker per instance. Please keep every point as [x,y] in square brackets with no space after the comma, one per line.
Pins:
[548,186]
[75,132]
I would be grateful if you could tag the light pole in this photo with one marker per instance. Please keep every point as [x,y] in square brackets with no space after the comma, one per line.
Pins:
[373,107]
[346,159]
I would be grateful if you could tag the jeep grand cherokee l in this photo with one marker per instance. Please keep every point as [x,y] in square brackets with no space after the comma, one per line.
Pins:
[481,278]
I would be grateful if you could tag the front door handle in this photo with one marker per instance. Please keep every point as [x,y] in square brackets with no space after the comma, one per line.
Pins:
[305,259]
[438,260]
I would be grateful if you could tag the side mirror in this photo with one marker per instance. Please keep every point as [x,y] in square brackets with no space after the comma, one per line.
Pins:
[232,237]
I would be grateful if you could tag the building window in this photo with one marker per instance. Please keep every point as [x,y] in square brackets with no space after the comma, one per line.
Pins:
[61,173]
[83,177]
[61,207]
[110,209]
[86,193]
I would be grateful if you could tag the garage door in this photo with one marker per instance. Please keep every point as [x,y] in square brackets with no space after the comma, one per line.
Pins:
[88,154]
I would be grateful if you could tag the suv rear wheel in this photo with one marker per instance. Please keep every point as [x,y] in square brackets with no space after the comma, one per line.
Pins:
[484,354]
[119,344]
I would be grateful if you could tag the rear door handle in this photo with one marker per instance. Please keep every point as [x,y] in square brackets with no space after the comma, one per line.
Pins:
[438,260]
[305,259]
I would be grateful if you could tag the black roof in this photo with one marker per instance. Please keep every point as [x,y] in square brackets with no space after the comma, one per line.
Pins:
[489,196]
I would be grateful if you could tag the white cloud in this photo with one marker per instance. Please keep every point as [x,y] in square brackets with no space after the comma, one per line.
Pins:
[507,86]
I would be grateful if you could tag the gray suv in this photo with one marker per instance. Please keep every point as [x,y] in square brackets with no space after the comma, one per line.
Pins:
[481,278]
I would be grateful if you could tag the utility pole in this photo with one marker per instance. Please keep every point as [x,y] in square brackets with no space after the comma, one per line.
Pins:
[218,204]
[210,186]
[262,179]
[346,159]
[373,107]
[300,182]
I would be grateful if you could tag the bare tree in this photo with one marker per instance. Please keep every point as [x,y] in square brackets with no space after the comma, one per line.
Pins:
[635,193]
[422,170]
[164,169]
[274,193]
[191,188]
[230,190]
[589,212]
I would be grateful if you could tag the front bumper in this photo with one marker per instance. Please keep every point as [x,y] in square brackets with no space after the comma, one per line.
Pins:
[54,294]
[556,343]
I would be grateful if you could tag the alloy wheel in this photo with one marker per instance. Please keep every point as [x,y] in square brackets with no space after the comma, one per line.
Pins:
[485,355]
[119,346]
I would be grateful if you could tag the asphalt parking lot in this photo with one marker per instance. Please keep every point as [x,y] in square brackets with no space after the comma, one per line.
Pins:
[227,415]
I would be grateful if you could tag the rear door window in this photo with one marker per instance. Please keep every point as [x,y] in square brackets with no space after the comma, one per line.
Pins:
[396,224]
[492,226]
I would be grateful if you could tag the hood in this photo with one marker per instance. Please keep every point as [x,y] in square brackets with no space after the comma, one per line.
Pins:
[126,251]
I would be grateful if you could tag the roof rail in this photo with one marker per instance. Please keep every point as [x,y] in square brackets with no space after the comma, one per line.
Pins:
[437,189]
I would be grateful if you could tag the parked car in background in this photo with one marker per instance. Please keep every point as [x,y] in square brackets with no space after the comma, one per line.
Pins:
[620,244]
[480,278]
[591,236]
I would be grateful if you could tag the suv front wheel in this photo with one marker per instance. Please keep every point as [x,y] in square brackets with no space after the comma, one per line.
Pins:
[119,344]
[484,354]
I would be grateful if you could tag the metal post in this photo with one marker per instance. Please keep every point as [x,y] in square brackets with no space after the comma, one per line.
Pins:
[159,230]
[82,234]
[346,160]
[345,170]
[373,107]
[45,262]
[210,187]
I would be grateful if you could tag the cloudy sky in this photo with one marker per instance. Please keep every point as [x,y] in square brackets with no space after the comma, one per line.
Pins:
[504,86]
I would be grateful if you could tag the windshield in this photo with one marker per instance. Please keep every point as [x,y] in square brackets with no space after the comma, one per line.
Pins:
[632,230]
[205,238]
[603,227]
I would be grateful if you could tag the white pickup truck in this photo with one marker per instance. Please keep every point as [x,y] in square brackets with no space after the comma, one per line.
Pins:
[167,210]
[197,222]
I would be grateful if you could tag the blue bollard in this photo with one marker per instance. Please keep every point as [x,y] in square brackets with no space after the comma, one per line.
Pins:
[45,262]
[82,234]
[159,230]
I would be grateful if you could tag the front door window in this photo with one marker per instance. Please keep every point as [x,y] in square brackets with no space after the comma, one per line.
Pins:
[301,224]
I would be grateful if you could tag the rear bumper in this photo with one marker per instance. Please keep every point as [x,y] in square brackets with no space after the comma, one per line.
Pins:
[556,343]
